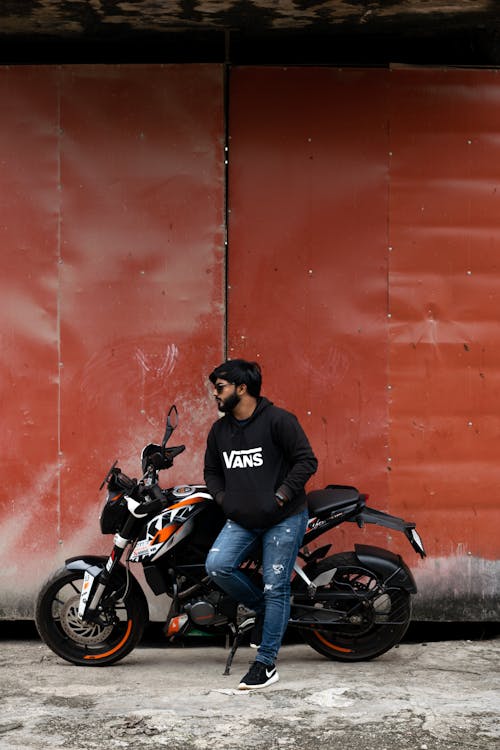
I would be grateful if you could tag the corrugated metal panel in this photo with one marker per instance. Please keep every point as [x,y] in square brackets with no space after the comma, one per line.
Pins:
[374,319]
[308,256]
[29,507]
[113,203]
[444,336]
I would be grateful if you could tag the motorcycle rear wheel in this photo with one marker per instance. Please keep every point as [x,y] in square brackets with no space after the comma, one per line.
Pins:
[381,623]
[85,643]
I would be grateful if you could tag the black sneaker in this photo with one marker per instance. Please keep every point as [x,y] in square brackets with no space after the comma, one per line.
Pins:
[259,676]
[256,634]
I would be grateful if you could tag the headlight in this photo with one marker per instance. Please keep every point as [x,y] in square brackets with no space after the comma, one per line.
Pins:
[113,513]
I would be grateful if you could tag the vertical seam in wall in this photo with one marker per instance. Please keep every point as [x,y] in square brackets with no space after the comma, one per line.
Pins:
[227,210]
[388,306]
[58,324]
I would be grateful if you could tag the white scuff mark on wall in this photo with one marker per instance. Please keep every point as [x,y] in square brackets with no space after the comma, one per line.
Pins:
[158,365]
[155,368]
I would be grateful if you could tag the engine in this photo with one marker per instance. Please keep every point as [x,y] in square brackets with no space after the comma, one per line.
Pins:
[208,611]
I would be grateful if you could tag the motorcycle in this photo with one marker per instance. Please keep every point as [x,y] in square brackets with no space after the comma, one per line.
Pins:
[348,606]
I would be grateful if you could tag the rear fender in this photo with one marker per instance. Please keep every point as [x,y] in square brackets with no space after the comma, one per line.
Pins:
[378,517]
[391,568]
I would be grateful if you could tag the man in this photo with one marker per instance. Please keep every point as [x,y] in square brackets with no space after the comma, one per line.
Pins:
[257,463]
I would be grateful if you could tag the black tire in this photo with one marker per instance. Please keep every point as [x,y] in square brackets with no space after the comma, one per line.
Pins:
[370,630]
[86,643]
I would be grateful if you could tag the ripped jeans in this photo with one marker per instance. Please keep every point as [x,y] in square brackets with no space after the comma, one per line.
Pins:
[280,545]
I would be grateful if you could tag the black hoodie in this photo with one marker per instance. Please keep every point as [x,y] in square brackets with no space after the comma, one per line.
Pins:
[247,462]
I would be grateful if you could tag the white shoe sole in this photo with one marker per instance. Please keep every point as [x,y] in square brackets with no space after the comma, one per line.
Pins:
[271,681]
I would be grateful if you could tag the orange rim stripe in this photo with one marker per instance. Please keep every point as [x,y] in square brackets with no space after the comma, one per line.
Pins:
[116,648]
[332,645]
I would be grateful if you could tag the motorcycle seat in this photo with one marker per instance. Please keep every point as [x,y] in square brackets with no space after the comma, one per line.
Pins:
[334,497]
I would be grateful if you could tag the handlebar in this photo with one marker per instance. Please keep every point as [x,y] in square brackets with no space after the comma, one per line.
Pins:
[154,458]
[155,501]
[159,457]
[173,452]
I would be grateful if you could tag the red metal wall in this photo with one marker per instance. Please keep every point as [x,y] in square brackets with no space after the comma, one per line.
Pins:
[307,267]
[363,275]
[112,244]
[444,290]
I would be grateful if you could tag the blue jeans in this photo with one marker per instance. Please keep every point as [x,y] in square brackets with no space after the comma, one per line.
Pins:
[280,545]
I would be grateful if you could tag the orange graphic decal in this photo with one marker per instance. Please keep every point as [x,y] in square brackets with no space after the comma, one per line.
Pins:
[163,534]
[187,501]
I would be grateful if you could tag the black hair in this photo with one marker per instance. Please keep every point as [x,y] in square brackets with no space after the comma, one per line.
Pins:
[240,372]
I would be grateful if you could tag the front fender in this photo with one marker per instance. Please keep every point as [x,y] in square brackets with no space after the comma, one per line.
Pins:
[95,564]
[390,567]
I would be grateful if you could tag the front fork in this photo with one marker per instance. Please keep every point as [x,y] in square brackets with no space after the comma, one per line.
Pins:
[96,580]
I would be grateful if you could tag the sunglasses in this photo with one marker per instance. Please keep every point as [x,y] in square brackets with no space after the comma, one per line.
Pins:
[219,387]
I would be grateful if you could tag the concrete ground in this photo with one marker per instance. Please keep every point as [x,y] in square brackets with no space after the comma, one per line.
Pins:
[440,695]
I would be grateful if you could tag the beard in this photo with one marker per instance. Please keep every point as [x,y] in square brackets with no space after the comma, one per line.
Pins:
[229,404]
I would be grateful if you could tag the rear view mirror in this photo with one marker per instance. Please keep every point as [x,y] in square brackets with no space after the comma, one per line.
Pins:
[171,424]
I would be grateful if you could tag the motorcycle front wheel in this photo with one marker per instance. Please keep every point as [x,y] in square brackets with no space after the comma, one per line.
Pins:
[86,643]
[372,618]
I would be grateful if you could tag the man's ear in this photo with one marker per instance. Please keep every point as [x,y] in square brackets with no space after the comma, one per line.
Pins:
[241,389]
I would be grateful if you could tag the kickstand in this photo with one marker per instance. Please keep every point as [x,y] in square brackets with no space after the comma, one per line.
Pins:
[230,658]
[244,627]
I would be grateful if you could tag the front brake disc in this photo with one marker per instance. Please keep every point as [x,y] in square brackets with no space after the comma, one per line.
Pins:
[81,631]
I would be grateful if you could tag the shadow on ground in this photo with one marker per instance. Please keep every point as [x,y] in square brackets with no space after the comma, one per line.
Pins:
[418,632]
